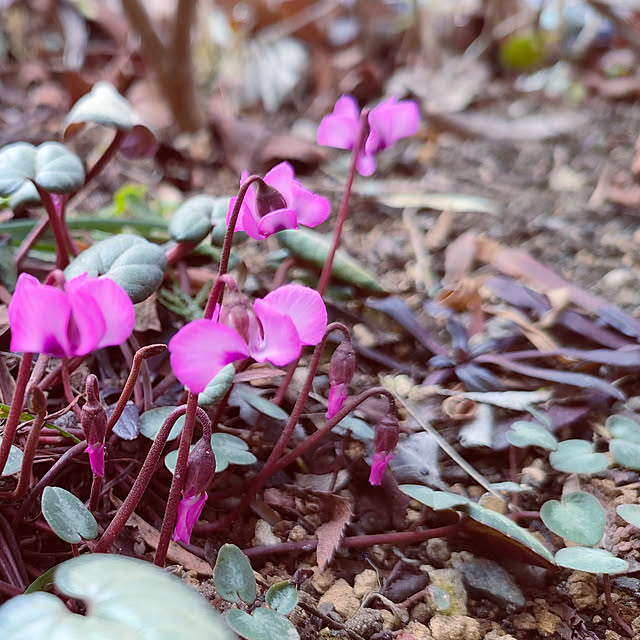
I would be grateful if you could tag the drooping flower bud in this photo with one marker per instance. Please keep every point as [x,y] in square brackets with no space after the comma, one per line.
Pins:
[341,370]
[201,467]
[385,441]
[237,311]
[94,425]
[268,199]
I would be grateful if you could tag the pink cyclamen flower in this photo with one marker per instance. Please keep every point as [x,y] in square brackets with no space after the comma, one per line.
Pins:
[90,313]
[388,122]
[279,326]
[286,205]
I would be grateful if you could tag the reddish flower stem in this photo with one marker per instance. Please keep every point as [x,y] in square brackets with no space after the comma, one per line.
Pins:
[142,481]
[57,223]
[325,276]
[303,447]
[141,354]
[52,377]
[101,162]
[39,402]
[68,392]
[397,538]
[13,419]
[612,609]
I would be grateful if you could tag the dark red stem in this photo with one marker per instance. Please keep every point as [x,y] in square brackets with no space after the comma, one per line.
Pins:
[612,609]
[344,204]
[13,419]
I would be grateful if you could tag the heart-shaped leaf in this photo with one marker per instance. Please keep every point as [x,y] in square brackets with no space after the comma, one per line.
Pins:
[151,422]
[282,597]
[495,524]
[625,446]
[191,221]
[115,591]
[14,461]
[630,513]
[579,518]
[216,389]
[104,105]
[233,575]
[437,500]
[530,434]
[314,248]
[590,560]
[264,624]
[625,453]
[134,263]
[51,165]
[623,427]
[577,456]
[67,516]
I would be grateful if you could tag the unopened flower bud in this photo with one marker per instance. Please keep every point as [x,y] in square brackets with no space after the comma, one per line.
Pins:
[385,441]
[201,467]
[341,370]
[237,312]
[94,424]
[268,199]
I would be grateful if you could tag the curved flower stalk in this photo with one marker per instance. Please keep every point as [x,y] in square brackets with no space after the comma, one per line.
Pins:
[274,330]
[278,202]
[88,314]
[388,122]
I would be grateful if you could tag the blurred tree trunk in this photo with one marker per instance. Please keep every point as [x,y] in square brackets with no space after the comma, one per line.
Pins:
[171,63]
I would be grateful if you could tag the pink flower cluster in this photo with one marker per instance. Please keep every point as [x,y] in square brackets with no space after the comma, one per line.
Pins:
[273,329]
[388,122]
[87,314]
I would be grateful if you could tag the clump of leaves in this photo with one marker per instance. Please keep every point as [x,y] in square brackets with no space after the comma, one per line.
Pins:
[236,583]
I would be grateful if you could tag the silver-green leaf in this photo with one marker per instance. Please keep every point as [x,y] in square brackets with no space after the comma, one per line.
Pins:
[67,516]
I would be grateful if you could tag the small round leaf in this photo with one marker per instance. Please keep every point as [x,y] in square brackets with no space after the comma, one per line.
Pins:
[136,264]
[282,597]
[264,624]
[216,389]
[116,592]
[14,461]
[260,404]
[67,516]
[233,575]
[232,449]
[590,560]
[104,105]
[577,456]
[151,422]
[630,513]
[579,518]
[623,427]
[530,434]
[625,453]
[191,221]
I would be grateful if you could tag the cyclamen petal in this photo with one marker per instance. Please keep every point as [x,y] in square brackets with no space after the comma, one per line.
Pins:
[89,314]
[96,458]
[304,306]
[392,120]
[279,342]
[337,396]
[201,349]
[189,510]
[379,463]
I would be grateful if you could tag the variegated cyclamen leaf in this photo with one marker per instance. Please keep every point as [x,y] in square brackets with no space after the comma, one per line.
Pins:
[192,220]
[136,264]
